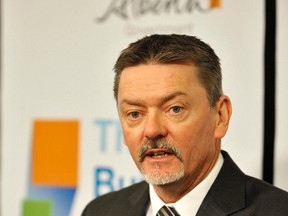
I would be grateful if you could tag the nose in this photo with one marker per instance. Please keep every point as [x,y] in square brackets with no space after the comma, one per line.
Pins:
[155,126]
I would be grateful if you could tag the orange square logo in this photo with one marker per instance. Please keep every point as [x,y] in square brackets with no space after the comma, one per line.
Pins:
[55,153]
[215,3]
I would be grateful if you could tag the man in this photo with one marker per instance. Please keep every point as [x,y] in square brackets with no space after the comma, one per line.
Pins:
[173,114]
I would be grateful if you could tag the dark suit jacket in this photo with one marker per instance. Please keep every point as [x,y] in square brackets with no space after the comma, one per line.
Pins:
[232,193]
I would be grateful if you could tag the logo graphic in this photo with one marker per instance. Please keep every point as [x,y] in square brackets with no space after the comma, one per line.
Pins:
[54,168]
[215,3]
[127,9]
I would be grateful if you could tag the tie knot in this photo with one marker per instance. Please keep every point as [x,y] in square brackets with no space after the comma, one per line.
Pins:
[167,211]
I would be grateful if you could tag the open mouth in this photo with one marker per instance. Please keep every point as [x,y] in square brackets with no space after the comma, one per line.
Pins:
[159,149]
[158,153]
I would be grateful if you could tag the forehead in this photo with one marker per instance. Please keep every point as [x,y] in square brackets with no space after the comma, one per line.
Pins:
[154,80]
[157,69]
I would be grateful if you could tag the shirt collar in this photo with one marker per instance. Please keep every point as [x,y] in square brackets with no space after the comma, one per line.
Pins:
[190,203]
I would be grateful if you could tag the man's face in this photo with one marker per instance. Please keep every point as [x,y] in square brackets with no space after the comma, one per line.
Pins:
[168,125]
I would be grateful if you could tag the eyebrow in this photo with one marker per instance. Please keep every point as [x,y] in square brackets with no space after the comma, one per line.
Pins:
[171,96]
[162,100]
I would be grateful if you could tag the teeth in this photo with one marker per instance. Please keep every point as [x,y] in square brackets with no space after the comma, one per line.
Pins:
[159,155]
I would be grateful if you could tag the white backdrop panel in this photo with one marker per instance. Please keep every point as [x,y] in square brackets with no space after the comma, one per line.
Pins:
[57,63]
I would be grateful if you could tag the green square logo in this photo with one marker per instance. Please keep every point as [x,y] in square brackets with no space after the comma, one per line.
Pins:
[37,208]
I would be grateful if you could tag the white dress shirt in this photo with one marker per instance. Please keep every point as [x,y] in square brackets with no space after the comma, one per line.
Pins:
[190,203]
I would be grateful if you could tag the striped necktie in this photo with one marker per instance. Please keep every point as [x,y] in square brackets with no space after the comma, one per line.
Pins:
[167,211]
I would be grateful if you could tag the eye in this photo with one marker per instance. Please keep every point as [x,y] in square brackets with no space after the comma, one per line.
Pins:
[176,109]
[134,115]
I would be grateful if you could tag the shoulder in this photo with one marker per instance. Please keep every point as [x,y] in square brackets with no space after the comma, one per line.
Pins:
[251,196]
[262,198]
[125,192]
[115,202]
[265,194]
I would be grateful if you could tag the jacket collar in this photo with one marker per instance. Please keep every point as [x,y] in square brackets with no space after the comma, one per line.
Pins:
[227,194]
[139,200]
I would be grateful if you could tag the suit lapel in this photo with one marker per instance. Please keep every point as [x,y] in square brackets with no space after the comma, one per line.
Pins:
[227,194]
[139,200]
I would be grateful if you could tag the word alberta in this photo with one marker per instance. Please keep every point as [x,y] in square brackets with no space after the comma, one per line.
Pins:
[126,9]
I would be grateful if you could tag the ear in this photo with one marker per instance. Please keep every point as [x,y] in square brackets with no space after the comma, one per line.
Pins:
[224,111]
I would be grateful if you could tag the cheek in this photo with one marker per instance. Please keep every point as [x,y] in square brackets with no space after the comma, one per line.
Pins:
[195,140]
[131,135]
[133,141]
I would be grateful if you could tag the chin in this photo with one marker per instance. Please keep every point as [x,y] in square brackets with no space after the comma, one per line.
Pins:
[163,178]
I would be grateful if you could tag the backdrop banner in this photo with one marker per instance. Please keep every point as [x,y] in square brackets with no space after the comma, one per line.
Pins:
[61,141]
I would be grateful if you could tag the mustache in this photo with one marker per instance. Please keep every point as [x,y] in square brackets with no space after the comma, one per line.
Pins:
[162,143]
